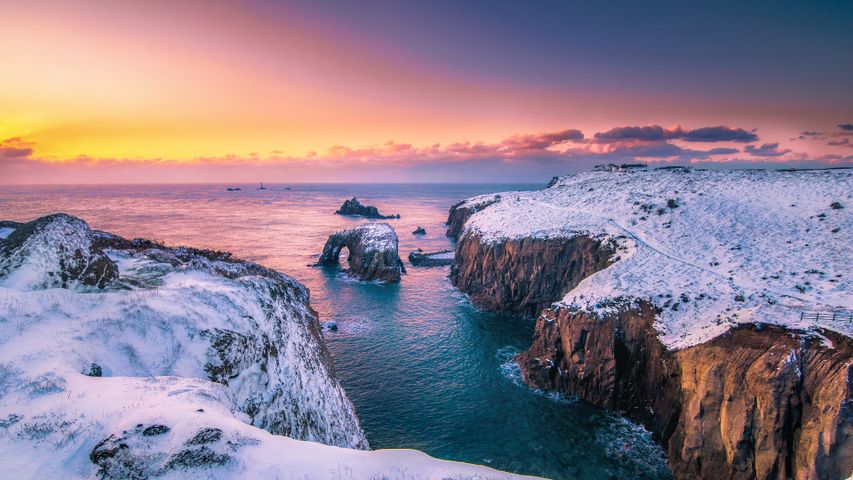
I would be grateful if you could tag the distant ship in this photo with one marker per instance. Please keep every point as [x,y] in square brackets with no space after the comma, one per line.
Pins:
[233,189]
[262,187]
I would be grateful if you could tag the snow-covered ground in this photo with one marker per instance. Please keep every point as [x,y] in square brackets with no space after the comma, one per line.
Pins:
[710,248]
[185,365]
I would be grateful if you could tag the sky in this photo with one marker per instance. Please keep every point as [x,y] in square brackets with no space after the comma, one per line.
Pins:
[404,91]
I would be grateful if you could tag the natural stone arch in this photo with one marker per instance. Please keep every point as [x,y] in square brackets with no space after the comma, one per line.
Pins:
[373,253]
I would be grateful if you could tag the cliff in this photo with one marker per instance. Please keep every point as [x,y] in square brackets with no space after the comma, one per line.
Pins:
[128,359]
[757,402]
[682,316]
[527,274]
[462,211]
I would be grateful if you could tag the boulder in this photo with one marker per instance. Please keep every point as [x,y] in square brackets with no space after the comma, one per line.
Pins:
[54,251]
[353,207]
[372,252]
[419,231]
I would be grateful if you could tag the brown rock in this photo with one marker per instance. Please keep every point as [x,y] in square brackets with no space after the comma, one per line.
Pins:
[525,275]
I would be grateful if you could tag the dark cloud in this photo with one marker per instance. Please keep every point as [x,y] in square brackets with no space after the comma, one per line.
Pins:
[648,133]
[766,150]
[536,141]
[15,147]
[846,126]
[719,133]
[653,133]
[844,142]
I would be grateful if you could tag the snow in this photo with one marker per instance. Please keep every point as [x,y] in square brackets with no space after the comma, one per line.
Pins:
[374,236]
[6,231]
[730,247]
[173,322]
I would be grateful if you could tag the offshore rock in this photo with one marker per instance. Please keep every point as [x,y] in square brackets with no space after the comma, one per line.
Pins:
[353,207]
[372,251]
[419,258]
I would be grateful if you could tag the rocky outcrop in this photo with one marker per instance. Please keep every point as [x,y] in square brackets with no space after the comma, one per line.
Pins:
[353,207]
[527,274]
[419,258]
[759,402]
[419,231]
[372,251]
[462,211]
[54,251]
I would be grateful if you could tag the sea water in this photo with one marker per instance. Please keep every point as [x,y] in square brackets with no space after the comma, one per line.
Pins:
[423,366]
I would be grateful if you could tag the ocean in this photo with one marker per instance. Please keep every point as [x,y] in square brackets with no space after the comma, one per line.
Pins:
[423,366]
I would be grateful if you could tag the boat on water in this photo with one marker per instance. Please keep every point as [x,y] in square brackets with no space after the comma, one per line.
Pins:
[233,189]
[262,187]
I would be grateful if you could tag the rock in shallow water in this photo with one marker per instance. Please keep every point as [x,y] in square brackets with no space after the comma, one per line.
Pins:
[419,258]
[353,207]
[372,250]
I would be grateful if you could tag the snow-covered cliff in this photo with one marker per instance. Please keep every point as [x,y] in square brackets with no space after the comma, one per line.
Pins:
[711,249]
[127,359]
[713,307]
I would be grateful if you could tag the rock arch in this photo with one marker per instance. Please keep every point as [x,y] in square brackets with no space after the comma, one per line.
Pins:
[373,253]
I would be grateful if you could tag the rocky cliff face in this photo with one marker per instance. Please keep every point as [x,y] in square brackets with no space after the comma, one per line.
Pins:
[373,253]
[525,275]
[758,402]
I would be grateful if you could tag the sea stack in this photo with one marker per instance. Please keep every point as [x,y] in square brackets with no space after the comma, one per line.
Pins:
[372,253]
[354,208]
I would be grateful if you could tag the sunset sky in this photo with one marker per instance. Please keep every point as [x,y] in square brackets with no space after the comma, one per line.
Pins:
[316,91]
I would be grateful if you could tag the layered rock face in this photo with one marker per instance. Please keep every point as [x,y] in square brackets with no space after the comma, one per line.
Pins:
[759,402]
[354,208]
[524,275]
[373,253]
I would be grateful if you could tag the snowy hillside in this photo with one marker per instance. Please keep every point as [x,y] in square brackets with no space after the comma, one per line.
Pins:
[710,249]
[126,359]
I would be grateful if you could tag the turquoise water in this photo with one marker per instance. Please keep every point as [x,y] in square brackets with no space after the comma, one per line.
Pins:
[424,368]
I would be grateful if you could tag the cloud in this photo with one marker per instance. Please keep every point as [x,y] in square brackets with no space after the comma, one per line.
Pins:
[844,142]
[650,133]
[719,134]
[518,157]
[15,147]
[542,140]
[766,150]
[846,126]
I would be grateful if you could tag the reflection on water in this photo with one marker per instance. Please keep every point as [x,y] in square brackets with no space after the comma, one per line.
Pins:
[424,368]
